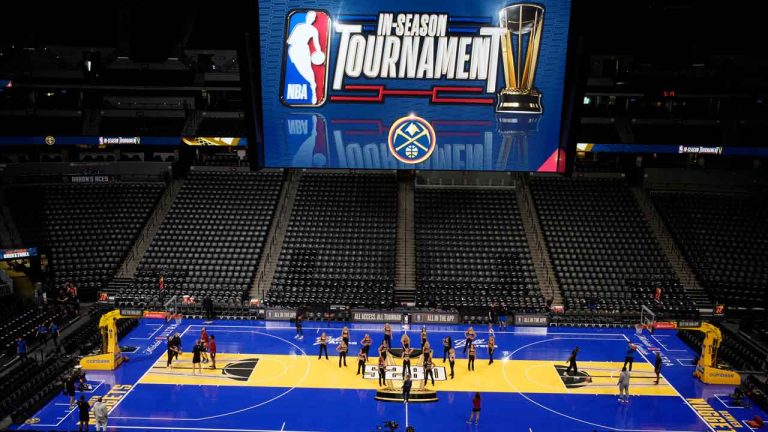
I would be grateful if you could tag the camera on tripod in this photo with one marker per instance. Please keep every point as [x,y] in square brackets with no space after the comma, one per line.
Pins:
[390,425]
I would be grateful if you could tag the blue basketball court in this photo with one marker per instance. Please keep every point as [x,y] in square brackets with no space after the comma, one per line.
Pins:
[266,380]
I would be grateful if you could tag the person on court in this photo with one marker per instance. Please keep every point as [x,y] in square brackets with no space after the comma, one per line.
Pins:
[471,357]
[100,414]
[426,351]
[345,335]
[173,352]
[407,360]
[323,346]
[447,344]
[629,358]
[69,390]
[382,371]
[405,340]
[623,385]
[475,409]
[366,344]
[452,359]
[572,362]
[470,336]
[407,383]
[383,348]
[388,334]
[196,352]
[204,344]
[342,350]
[299,326]
[428,371]
[423,335]
[83,409]
[212,351]
[491,348]
[657,366]
[360,362]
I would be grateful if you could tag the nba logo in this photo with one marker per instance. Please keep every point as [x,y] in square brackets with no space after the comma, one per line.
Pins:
[305,58]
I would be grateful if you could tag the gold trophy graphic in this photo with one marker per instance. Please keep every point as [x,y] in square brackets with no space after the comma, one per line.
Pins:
[519,53]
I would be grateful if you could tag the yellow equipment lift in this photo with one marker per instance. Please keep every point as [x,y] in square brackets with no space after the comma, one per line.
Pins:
[706,369]
[110,357]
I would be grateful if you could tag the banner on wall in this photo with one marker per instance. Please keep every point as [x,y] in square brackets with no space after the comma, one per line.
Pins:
[438,85]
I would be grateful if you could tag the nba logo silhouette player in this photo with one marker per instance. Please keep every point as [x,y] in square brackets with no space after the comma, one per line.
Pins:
[305,69]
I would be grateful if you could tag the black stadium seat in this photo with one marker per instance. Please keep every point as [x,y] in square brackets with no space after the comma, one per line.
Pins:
[340,242]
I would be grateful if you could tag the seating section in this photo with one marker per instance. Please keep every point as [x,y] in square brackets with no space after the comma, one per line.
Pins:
[340,243]
[87,228]
[210,241]
[471,251]
[603,252]
[19,320]
[725,240]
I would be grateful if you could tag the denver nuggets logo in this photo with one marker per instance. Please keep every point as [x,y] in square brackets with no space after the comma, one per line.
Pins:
[411,139]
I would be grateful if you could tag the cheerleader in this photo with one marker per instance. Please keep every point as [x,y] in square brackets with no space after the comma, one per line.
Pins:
[447,343]
[345,335]
[470,335]
[428,373]
[491,348]
[366,344]
[405,340]
[382,371]
[388,334]
[342,349]
[472,353]
[323,346]
[360,362]
[423,336]
[407,360]
[452,359]
[383,348]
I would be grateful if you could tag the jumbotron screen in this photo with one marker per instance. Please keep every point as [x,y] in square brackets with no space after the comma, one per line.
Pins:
[428,85]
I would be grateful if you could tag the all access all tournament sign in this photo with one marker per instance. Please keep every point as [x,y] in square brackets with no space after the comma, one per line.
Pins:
[482,83]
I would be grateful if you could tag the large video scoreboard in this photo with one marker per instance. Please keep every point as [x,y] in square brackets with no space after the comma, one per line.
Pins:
[396,84]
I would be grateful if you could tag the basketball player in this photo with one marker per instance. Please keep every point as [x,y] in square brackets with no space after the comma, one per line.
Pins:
[623,385]
[298,50]
[491,347]
[572,362]
[423,335]
[470,336]
[407,360]
[405,340]
[366,343]
[360,362]
[388,334]
[630,357]
[657,365]
[472,353]
[212,351]
[323,346]
[196,350]
[428,372]
[345,335]
[342,350]
[382,371]
[447,343]
[452,359]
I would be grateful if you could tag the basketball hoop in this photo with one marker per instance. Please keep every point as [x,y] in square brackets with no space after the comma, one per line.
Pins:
[639,328]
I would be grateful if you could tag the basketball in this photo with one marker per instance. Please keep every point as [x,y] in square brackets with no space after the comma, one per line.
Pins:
[317,58]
